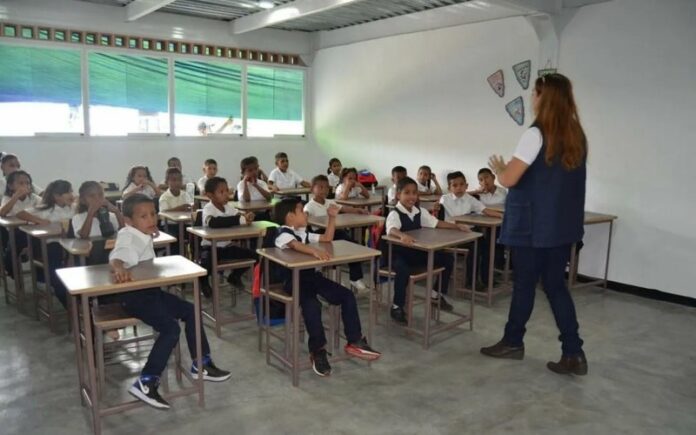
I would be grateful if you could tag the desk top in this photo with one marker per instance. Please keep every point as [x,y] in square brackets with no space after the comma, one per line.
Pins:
[346,220]
[260,205]
[429,198]
[163,239]
[177,216]
[590,218]
[294,191]
[341,252]
[232,233]
[160,272]
[361,202]
[428,239]
[43,231]
[479,219]
[78,247]
[11,222]
[497,207]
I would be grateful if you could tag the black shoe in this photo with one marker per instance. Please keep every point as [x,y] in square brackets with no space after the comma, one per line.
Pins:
[320,362]
[205,288]
[444,305]
[235,281]
[398,315]
[503,350]
[147,392]
[211,372]
[575,365]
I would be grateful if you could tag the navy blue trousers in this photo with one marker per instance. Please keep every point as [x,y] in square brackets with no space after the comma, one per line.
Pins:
[404,260]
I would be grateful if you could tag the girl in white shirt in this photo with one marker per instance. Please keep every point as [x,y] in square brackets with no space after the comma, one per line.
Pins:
[334,173]
[139,180]
[350,187]
[427,182]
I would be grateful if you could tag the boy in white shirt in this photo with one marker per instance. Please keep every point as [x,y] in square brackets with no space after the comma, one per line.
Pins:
[252,187]
[218,213]
[281,177]
[488,192]
[156,308]
[174,199]
[209,171]
[458,203]
[397,173]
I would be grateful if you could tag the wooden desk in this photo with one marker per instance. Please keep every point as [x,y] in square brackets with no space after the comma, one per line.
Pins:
[342,252]
[361,202]
[591,218]
[497,207]
[431,240]
[80,248]
[491,224]
[297,191]
[42,233]
[214,235]
[163,240]
[348,221]
[88,282]
[181,218]
[255,206]
[10,224]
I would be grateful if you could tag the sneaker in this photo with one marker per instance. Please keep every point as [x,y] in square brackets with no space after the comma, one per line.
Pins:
[360,349]
[444,305]
[398,315]
[359,285]
[320,362]
[147,392]
[205,288]
[210,372]
[235,281]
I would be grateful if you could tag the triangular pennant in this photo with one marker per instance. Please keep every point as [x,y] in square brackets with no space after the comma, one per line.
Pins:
[497,82]
[522,72]
[515,109]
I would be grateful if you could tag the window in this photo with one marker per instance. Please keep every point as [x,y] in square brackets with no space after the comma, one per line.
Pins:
[127,94]
[208,98]
[40,91]
[275,101]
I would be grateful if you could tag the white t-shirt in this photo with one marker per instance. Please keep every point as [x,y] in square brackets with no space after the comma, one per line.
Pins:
[285,180]
[201,184]
[422,188]
[30,201]
[529,146]
[147,191]
[254,194]
[132,247]
[497,197]
[334,180]
[354,192]
[168,201]
[210,211]
[95,230]
[313,208]
[393,221]
[54,214]
[283,239]
[454,206]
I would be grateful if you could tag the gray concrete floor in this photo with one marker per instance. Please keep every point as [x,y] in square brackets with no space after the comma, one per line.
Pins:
[642,379]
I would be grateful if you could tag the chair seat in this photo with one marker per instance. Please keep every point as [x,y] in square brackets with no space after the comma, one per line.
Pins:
[276,292]
[112,316]
[458,251]
[236,264]
[416,275]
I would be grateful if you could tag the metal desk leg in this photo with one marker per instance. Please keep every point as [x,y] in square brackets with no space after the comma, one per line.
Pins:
[91,366]
[491,263]
[428,305]
[199,344]
[606,264]
[295,327]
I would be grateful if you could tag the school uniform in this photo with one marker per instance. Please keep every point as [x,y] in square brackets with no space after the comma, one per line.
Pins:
[497,197]
[147,191]
[104,224]
[334,180]
[169,201]
[425,188]
[285,180]
[254,194]
[201,184]
[313,284]
[30,201]
[405,259]
[459,206]
[354,192]
[313,208]
[158,309]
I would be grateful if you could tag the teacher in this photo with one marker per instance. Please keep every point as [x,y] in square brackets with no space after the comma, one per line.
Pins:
[543,217]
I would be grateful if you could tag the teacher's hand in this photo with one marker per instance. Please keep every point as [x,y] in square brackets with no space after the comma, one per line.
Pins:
[497,164]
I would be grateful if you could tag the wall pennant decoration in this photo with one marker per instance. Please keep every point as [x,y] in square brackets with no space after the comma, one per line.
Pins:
[515,109]
[522,72]
[497,82]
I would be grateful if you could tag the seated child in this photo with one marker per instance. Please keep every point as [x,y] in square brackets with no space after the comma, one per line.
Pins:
[140,181]
[9,163]
[293,235]
[218,213]
[261,174]
[282,177]
[156,308]
[174,199]
[397,173]
[209,171]
[251,187]
[405,217]
[488,192]
[318,206]
[350,187]
[175,162]
[96,217]
[334,173]
[427,182]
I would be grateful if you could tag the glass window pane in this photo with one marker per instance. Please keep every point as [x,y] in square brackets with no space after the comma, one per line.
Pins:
[40,91]
[127,94]
[208,95]
[274,100]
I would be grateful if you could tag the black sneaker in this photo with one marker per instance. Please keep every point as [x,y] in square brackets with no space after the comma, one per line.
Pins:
[204,285]
[147,392]
[360,349]
[444,305]
[235,281]
[211,373]
[320,362]
[398,315]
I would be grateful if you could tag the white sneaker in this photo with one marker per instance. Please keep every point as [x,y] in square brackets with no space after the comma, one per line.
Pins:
[359,285]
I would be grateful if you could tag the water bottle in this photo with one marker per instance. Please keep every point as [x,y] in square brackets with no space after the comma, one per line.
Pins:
[373,188]
[191,192]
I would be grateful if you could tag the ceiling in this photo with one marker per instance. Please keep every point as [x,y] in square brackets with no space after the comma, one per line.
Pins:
[349,15]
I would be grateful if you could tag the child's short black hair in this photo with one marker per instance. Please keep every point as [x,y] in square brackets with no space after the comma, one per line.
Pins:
[213,183]
[171,171]
[284,208]
[319,178]
[485,171]
[6,157]
[280,155]
[129,204]
[346,171]
[401,185]
[454,175]
[425,168]
[248,161]
[210,162]
[171,159]
[398,170]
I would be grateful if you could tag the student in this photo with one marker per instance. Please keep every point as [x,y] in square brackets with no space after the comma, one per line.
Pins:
[140,181]
[158,309]
[209,171]
[488,192]
[350,187]
[96,216]
[292,235]
[397,173]
[427,182]
[174,199]
[458,203]
[56,207]
[175,162]
[251,187]
[218,213]
[405,217]
[284,178]
[261,174]
[318,206]
[9,163]
[334,173]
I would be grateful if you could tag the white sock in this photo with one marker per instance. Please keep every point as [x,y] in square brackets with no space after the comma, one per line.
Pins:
[395,306]
[434,294]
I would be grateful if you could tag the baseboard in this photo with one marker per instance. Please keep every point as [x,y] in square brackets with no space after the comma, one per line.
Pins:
[644,292]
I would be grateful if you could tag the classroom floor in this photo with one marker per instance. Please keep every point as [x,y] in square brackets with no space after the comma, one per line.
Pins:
[642,380]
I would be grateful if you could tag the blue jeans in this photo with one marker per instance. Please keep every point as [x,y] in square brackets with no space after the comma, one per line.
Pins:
[549,264]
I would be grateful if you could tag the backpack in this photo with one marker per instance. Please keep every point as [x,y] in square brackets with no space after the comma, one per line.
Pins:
[276,308]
